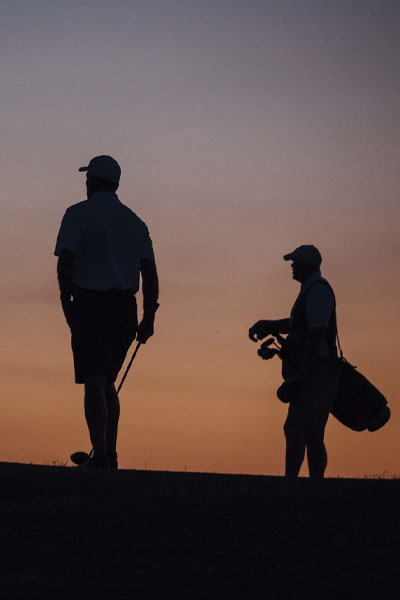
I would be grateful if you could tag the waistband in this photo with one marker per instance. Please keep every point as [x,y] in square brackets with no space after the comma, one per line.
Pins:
[78,291]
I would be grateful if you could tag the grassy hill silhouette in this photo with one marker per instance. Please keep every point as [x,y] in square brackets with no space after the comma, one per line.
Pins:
[69,533]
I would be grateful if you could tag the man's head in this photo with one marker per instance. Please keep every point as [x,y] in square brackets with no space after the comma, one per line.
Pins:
[102,175]
[306,260]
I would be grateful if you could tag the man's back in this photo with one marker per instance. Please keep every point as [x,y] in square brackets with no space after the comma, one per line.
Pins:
[109,240]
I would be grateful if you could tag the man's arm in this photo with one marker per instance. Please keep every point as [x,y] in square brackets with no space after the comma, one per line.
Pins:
[319,306]
[261,329]
[65,270]
[150,290]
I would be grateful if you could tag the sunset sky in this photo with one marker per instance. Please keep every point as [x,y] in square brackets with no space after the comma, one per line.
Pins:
[243,128]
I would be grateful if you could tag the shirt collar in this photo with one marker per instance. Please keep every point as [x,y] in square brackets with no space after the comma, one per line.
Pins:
[103,195]
[310,281]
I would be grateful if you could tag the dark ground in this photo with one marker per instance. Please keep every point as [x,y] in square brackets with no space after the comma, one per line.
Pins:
[68,533]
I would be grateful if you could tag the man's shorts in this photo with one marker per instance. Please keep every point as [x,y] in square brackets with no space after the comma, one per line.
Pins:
[309,410]
[103,326]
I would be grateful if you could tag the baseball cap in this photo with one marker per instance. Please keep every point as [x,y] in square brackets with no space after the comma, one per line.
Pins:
[104,167]
[306,253]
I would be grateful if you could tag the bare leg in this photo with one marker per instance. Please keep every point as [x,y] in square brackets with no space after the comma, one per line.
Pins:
[113,411]
[96,412]
[317,458]
[295,451]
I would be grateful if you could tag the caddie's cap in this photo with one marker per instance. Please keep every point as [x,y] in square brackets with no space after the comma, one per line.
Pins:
[104,167]
[307,254]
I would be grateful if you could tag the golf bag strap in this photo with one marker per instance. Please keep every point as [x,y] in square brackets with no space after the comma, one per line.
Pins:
[338,341]
[337,335]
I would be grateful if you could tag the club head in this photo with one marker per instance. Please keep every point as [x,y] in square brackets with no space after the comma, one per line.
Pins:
[78,458]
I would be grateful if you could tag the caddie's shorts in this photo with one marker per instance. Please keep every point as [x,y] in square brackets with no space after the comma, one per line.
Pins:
[103,326]
[309,410]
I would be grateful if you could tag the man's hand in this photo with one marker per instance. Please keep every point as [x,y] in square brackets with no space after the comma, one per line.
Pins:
[260,330]
[145,330]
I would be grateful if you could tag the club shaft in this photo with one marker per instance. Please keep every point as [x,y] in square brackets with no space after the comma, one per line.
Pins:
[128,367]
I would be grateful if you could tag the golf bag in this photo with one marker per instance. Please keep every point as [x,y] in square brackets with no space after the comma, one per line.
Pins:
[358,404]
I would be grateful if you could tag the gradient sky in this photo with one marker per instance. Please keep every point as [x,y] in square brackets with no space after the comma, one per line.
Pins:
[243,129]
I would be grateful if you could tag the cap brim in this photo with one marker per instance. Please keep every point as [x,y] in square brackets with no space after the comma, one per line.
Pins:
[82,169]
[288,256]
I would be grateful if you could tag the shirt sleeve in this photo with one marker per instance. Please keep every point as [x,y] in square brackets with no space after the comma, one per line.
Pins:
[320,304]
[70,234]
[146,245]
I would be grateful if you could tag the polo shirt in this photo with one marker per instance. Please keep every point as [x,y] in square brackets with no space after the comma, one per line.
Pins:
[320,301]
[320,304]
[108,240]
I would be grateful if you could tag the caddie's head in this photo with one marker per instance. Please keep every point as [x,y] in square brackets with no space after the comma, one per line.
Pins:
[102,174]
[306,260]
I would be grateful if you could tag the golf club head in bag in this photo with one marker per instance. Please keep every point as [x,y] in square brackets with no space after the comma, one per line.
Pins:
[266,352]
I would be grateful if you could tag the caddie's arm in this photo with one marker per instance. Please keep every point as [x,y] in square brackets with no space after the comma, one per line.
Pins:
[65,270]
[311,353]
[150,290]
[261,329]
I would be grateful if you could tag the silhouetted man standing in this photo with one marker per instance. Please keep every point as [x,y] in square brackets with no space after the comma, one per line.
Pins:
[103,247]
[309,364]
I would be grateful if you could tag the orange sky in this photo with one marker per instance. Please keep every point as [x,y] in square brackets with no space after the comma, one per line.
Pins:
[242,131]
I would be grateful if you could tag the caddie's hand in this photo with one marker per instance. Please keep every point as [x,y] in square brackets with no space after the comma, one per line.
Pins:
[145,330]
[260,330]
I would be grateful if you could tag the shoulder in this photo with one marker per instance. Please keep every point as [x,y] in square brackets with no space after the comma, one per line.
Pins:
[76,209]
[139,223]
[323,286]
[321,292]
